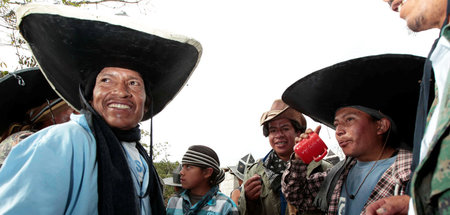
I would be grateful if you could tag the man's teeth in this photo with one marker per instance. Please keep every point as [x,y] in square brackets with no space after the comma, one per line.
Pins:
[120,106]
[281,143]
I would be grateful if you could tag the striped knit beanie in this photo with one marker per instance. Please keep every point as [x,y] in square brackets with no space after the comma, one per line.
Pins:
[203,156]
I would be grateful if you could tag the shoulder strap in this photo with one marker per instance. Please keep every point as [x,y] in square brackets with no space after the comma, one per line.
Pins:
[326,190]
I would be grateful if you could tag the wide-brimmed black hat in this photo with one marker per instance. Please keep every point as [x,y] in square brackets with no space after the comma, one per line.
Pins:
[71,45]
[388,83]
[19,92]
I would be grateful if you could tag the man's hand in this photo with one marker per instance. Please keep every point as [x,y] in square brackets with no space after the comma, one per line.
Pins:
[306,135]
[253,187]
[389,205]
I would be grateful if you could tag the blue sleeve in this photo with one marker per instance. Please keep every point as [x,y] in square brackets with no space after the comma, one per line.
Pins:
[48,172]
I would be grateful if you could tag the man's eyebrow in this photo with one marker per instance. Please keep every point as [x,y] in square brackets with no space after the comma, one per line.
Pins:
[346,114]
[135,77]
[283,125]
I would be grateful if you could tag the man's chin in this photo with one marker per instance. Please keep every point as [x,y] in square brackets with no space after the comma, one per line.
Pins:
[121,125]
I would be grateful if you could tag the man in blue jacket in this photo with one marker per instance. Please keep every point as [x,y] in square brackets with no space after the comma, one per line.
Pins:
[117,76]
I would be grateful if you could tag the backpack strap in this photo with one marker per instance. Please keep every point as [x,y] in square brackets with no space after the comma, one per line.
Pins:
[326,189]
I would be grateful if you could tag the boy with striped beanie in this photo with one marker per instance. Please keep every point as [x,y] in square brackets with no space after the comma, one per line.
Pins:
[200,177]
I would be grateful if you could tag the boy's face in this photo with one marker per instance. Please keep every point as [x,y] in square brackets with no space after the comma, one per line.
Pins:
[282,136]
[193,176]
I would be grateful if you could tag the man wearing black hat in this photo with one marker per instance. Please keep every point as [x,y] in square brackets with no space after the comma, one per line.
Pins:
[430,187]
[117,73]
[28,105]
[370,115]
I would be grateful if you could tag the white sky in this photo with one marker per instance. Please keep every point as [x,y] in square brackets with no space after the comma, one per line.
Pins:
[252,51]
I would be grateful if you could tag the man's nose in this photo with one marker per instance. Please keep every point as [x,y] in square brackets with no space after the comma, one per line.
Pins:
[340,130]
[279,133]
[122,90]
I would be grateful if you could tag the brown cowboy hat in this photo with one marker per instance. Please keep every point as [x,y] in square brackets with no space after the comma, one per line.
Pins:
[281,110]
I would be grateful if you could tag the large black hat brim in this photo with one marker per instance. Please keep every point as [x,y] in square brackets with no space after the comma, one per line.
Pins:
[389,83]
[19,92]
[71,45]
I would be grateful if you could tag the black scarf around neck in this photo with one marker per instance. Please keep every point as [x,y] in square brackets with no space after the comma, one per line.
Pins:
[274,168]
[116,192]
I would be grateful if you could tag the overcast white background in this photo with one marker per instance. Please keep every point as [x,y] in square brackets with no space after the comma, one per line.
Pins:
[252,51]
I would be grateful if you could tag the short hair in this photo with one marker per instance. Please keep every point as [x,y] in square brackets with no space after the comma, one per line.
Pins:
[391,136]
[295,124]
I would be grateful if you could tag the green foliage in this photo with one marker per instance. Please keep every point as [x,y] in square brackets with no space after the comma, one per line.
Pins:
[3,72]
[164,169]
[159,149]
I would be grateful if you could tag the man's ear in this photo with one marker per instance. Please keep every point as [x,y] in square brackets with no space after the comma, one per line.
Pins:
[383,126]
[207,172]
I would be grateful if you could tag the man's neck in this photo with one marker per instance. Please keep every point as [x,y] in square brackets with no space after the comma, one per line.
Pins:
[377,155]
[284,158]
[200,190]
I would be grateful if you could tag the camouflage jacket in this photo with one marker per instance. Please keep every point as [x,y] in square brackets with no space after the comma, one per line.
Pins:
[431,181]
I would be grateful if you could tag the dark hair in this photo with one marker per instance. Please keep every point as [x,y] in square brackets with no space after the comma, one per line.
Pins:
[295,124]
[391,136]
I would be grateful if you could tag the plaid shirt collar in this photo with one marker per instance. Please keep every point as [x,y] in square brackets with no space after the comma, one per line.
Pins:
[392,182]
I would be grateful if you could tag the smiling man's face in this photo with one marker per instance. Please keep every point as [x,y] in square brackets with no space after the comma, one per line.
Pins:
[119,97]
[282,137]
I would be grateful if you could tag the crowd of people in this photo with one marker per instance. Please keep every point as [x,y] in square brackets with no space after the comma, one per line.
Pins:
[73,146]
